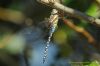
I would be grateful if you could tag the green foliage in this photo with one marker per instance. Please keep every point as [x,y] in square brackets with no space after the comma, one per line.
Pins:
[15,44]
[93,10]
[94,63]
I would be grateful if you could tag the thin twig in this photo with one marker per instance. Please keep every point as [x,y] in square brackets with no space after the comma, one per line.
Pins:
[71,12]
[82,31]
[79,30]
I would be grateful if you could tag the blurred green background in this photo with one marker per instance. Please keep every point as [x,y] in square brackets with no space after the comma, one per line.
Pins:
[24,32]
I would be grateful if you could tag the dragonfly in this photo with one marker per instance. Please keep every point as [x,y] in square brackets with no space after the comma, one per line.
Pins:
[53,21]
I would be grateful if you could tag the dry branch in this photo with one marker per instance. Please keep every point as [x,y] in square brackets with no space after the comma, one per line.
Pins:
[70,11]
[82,31]
[79,30]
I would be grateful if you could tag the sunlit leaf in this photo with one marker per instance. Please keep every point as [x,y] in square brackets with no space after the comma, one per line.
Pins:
[94,63]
